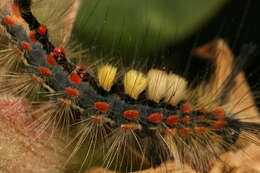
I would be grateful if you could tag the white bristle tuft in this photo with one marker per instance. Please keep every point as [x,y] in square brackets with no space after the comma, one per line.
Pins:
[157,85]
[176,89]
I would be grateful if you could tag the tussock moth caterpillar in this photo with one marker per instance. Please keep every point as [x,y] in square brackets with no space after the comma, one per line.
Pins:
[144,121]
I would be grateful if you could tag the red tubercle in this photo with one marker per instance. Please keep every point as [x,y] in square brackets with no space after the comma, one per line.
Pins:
[101,106]
[127,127]
[155,117]
[58,51]
[170,131]
[82,67]
[219,112]
[51,60]
[72,92]
[219,123]
[131,114]
[199,129]
[201,117]
[32,36]
[75,79]
[184,131]
[172,120]
[9,20]
[25,46]
[97,119]
[82,70]
[45,71]
[186,118]
[185,108]
[202,110]
[42,30]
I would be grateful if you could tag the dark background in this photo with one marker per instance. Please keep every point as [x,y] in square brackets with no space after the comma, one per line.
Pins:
[239,24]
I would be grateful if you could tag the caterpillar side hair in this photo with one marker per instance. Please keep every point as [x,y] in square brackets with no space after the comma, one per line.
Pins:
[117,119]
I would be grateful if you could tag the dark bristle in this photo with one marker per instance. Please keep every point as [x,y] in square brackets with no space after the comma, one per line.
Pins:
[250,127]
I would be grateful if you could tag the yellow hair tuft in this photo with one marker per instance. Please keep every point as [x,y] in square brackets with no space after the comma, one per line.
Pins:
[106,76]
[134,83]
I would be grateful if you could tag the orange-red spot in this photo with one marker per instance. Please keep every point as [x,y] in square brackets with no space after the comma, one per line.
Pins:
[219,113]
[172,120]
[155,117]
[127,127]
[202,110]
[1,28]
[42,30]
[97,119]
[101,106]
[32,36]
[131,114]
[25,46]
[202,117]
[185,108]
[9,20]
[219,123]
[199,129]
[186,118]
[51,60]
[74,78]
[184,131]
[170,131]
[71,92]
[45,71]
[57,51]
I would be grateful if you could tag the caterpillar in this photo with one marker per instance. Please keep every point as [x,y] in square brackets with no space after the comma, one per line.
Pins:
[140,122]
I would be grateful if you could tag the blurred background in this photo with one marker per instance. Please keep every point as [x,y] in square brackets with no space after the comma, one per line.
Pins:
[163,33]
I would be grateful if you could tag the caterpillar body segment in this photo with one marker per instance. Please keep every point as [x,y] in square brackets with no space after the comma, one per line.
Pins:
[127,133]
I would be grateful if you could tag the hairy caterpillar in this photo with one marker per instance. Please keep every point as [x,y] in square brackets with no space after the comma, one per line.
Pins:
[118,125]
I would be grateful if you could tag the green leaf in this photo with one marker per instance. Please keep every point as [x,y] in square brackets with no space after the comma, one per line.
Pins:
[143,25]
